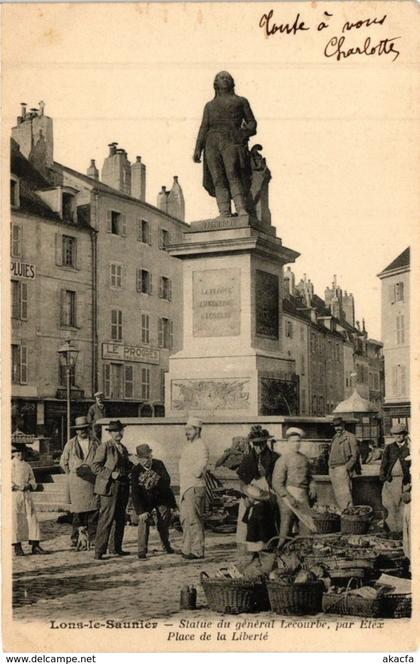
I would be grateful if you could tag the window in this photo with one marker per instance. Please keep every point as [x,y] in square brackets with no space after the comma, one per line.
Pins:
[14,192]
[165,291]
[165,333]
[16,241]
[144,231]
[400,330]
[376,381]
[302,364]
[19,300]
[67,206]
[145,383]
[289,329]
[69,251]
[116,325]
[302,333]
[313,343]
[116,223]
[68,308]
[113,381]
[128,381]
[399,292]
[399,381]
[63,377]
[144,282]
[164,239]
[303,402]
[162,385]
[145,328]
[19,364]
[115,276]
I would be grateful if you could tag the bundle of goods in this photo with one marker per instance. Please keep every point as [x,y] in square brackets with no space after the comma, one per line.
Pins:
[391,557]
[356,519]
[376,601]
[326,519]
[229,591]
[222,513]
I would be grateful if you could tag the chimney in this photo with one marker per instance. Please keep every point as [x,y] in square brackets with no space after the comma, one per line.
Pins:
[116,171]
[289,281]
[138,179]
[162,199]
[176,202]
[92,171]
[34,135]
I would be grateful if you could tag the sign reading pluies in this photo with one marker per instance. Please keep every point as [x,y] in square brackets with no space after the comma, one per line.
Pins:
[125,353]
[23,270]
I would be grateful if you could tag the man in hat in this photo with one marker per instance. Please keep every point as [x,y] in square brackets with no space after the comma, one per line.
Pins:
[192,468]
[257,511]
[395,475]
[112,467]
[76,461]
[343,462]
[152,498]
[97,411]
[292,482]
[25,525]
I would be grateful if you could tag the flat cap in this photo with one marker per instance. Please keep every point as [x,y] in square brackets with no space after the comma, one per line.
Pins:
[194,422]
[295,431]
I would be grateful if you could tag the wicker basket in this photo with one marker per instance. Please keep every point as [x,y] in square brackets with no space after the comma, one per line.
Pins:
[397,606]
[354,524]
[326,524]
[345,604]
[234,595]
[297,599]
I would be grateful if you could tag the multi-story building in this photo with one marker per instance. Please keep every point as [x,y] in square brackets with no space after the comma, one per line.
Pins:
[102,275]
[395,280]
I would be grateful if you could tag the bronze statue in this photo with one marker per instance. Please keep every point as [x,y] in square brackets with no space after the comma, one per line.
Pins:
[228,123]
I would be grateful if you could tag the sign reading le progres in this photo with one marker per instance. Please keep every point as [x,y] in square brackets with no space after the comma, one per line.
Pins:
[216,303]
[123,353]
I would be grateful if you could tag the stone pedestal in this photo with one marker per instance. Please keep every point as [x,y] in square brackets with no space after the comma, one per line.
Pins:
[231,362]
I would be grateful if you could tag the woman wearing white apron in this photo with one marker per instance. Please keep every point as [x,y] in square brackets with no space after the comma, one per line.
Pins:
[25,525]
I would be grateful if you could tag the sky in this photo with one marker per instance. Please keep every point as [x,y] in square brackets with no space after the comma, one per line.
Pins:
[339,137]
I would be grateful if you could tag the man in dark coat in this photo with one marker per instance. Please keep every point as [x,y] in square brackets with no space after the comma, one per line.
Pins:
[344,462]
[395,475]
[112,467]
[97,412]
[152,497]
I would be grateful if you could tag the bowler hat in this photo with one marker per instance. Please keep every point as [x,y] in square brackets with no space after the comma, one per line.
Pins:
[337,421]
[398,429]
[81,423]
[295,431]
[194,422]
[115,425]
[143,450]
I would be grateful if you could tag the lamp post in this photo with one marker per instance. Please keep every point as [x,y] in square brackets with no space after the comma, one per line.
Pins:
[68,357]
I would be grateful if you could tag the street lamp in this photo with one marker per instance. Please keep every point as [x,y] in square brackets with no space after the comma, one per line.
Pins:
[68,356]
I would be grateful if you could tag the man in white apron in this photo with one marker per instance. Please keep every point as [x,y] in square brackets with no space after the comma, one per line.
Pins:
[192,468]
[25,525]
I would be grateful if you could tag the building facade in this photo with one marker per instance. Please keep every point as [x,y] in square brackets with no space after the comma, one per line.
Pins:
[395,279]
[89,262]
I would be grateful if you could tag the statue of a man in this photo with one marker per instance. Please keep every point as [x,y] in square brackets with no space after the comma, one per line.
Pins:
[227,124]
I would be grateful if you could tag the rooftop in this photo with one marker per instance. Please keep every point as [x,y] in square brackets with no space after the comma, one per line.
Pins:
[403,260]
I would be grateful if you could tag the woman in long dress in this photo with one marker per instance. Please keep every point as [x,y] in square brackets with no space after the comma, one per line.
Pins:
[25,525]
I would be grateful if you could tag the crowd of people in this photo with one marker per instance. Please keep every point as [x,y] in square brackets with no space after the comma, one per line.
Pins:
[278,490]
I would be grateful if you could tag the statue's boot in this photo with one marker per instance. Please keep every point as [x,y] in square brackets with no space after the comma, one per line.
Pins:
[240,204]
[223,202]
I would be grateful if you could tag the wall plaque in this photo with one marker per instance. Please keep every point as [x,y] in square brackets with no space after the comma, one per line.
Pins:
[267,304]
[210,394]
[216,303]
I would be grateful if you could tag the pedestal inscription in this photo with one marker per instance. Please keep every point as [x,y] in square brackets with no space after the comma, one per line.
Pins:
[216,394]
[267,304]
[216,303]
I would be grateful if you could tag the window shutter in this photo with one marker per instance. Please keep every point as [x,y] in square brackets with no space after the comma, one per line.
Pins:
[61,304]
[138,280]
[75,316]
[23,300]
[160,332]
[160,238]
[391,294]
[128,381]
[109,221]
[170,290]
[107,380]
[171,334]
[58,249]
[23,365]
[139,229]
[149,234]
[401,294]
[150,284]
[123,225]
[161,287]
[76,262]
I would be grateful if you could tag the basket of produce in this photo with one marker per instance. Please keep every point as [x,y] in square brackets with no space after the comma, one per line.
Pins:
[397,606]
[225,594]
[294,596]
[355,520]
[365,601]
[326,520]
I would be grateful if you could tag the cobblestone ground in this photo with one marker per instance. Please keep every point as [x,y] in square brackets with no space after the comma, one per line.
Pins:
[67,584]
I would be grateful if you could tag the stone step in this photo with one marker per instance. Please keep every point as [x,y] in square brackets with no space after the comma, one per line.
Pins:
[49,497]
[53,486]
[52,507]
